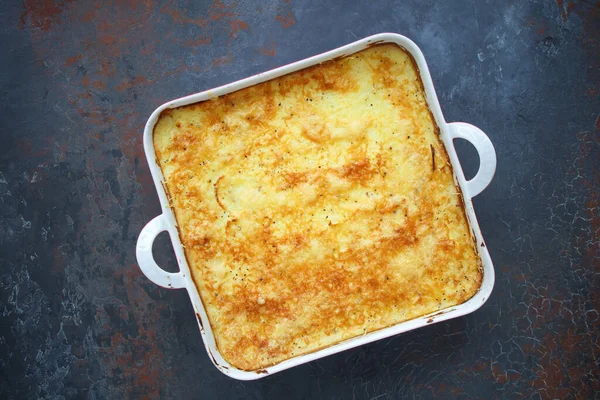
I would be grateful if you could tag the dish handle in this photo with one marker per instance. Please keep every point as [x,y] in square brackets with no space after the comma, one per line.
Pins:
[485,149]
[143,253]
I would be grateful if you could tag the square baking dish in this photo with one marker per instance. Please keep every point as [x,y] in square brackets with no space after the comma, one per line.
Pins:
[448,131]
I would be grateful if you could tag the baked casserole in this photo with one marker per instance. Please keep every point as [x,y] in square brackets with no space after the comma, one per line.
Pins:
[317,207]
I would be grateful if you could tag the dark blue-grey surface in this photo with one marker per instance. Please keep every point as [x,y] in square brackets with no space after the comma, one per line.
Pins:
[77,83]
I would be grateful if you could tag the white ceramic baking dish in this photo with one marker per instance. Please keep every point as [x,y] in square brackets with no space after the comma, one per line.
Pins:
[448,131]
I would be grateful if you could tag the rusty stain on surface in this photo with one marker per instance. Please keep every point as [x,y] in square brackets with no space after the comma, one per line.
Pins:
[269,50]
[200,41]
[236,26]
[222,60]
[217,13]
[561,7]
[503,376]
[131,144]
[138,358]
[72,60]
[555,375]
[180,18]
[286,20]
[26,147]
[138,80]
[99,85]
[590,39]
[90,15]
[42,14]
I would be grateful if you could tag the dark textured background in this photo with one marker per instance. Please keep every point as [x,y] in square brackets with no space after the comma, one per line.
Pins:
[78,79]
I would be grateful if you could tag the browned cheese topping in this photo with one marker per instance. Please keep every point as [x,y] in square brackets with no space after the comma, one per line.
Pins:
[317,207]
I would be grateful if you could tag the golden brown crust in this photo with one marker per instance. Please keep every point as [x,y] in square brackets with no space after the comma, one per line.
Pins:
[317,207]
